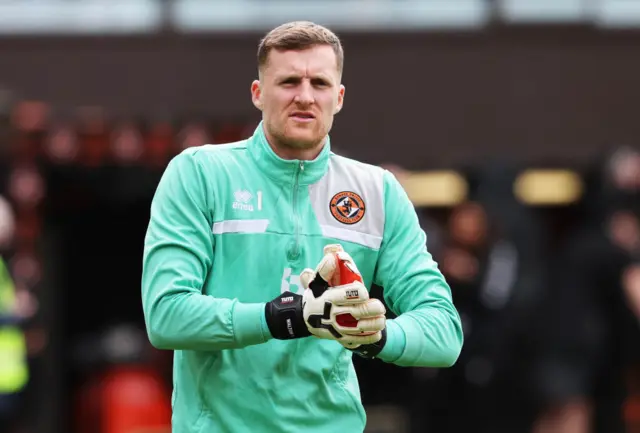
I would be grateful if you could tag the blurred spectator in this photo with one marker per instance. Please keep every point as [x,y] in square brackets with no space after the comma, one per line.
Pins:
[159,144]
[27,187]
[94,135]
[194,133]
[589,333]
[7,225]
[127,143]
[14,372]
[482,267]
[61,143]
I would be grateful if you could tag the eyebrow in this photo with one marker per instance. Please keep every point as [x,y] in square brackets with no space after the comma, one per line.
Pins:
[297,77]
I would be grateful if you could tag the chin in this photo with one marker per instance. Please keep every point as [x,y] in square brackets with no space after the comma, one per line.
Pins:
[302,142]
[302,139]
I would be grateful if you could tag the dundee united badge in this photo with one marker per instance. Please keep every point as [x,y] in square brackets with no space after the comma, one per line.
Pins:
[347,207]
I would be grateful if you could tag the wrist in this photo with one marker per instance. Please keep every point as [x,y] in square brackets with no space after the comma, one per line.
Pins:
[370,351]
[389,348]
[248,324]
[284,317]
[395,344]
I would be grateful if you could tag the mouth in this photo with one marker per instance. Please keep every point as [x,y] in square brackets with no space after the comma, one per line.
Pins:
[302,116]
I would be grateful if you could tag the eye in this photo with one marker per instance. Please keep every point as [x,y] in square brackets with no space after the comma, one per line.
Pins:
[290,81]
[319,82]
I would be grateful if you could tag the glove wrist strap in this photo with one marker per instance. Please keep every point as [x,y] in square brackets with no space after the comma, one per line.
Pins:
[370,351]
[285,318]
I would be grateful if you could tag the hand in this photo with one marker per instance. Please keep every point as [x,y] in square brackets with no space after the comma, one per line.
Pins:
[336,304]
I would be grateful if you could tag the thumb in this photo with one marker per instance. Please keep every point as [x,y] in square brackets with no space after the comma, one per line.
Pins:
[332,248]
[327,266]
[313,281]
[306,276]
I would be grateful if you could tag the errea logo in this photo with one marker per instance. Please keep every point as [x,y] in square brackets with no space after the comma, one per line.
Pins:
[243,200]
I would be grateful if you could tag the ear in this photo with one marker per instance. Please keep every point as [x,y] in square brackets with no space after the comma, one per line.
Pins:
[256,94]
[340,99]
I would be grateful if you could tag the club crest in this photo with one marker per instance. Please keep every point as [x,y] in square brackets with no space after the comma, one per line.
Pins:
[347,207]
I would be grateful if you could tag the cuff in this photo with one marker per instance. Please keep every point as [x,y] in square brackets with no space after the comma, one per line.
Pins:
[250,324]
[396,342]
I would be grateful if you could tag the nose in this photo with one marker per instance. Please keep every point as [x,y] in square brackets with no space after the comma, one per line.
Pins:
[305,93]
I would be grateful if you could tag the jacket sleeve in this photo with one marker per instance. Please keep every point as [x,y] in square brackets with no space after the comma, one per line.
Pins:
[427,331]
[178,254]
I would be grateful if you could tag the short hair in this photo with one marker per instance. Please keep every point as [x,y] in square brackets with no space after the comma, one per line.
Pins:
[299,35]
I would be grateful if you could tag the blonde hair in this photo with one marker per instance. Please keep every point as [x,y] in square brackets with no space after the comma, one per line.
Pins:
[299,35]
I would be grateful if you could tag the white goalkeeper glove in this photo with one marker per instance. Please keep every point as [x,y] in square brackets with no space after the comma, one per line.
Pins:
[336,303]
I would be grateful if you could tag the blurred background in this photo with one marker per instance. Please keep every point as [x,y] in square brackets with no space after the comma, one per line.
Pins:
[513,125]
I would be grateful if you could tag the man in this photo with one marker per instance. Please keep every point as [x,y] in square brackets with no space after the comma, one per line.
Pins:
[14,370]
[234,229]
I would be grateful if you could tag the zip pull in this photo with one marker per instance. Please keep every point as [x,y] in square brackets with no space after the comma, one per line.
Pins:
[301,166]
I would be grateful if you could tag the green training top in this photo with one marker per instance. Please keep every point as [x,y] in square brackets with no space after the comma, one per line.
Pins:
[231,227]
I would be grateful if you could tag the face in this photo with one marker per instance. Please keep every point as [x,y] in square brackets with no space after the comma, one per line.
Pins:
[469,224]
[298,93]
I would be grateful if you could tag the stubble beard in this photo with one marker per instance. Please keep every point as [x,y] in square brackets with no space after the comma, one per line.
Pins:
[287,141]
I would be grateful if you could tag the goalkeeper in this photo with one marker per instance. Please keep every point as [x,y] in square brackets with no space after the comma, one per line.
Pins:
[238,281]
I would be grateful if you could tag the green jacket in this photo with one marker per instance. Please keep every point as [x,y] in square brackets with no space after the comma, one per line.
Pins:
[231,227]
[14,370]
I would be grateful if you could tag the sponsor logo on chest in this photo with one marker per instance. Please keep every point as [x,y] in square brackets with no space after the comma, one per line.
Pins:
[244,200]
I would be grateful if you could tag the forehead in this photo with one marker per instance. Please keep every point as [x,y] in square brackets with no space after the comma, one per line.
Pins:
[316,60]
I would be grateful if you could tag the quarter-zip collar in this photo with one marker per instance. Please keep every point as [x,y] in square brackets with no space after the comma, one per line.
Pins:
[285,170]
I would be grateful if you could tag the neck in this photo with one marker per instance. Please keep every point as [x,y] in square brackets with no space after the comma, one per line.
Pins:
[290,153]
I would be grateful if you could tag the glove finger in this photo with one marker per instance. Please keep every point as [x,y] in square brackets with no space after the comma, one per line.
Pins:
[347,294]
[345,321]
[371,308]
[366,317]
[371,325]
[353,341]
[348,315]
